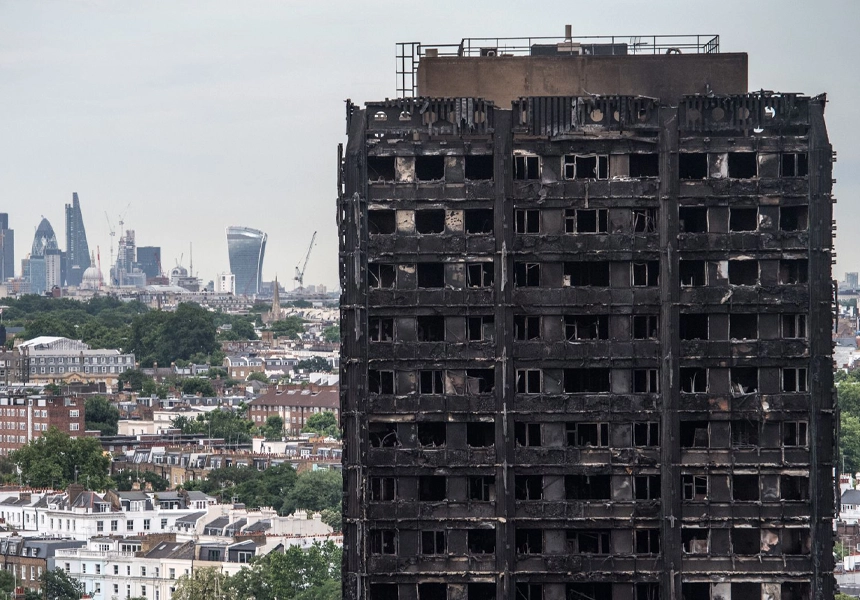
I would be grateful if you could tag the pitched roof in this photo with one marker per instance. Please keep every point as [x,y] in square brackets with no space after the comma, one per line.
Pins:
[851,497]
[325,398]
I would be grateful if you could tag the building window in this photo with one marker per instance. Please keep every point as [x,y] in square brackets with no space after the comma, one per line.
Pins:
[100,526]
[164,523]
[589,166]
[694,487]
[794,433]
[646,381]
[74,414]
[431,382]
[114,525]
[74,426]
[433,542]
[116,569]
[381,329]
[380,382]
[588,435]
[586,220]
[381,276]
[129,525]
[383,541]
[528,381]
[646,327]
[526,328]
[527,221]
[143,571]
[479,275]
[526,166]
[644,220]
[794,380]
[646,434]
[527,274]
[794,326]
[644,274]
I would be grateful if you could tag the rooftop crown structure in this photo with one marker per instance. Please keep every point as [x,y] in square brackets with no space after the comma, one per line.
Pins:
[586,319]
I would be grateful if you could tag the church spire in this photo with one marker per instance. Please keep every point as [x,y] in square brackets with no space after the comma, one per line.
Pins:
[276,302]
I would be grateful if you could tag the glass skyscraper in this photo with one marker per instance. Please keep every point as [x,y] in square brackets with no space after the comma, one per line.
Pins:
[44,240]
[77,249]
[246,248]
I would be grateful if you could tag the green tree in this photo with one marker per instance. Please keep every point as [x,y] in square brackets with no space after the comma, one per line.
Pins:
[203,584]
[216,372]
[331,334]
[100,414]
[315,364]
[258,376]
[323,423]
[164,337]
[289,327]
[124,480]
[55,459]
[7,581]
[849,397]
[134,379]
[849,442]
[59,585]
[333,517]
[198,385]
[274,428]
[232,426]
[315,491]
[312,574]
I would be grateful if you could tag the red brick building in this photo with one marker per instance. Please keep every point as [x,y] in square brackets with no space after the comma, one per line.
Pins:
[294,405]
[24,418]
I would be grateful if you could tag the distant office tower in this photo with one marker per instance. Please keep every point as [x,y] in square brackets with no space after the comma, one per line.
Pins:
[7,249]
[225,283]
[77,249]
[246,248]
[149,260]
[43,241]
[54,272]
[851,279]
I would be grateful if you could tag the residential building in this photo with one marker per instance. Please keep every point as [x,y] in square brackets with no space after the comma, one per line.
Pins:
[225,283]
[52,359]
[239,367]
[246,248]
[77,248]
[24,418]
[294,405]
[28,557]
[586,316]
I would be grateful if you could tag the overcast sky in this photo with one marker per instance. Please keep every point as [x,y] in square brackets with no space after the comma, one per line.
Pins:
[199,115]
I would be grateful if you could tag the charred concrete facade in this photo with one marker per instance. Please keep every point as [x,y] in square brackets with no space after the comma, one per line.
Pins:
[586,348]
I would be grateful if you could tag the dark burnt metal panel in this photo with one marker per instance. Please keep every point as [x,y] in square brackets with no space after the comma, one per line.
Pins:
[554,116]
[743,113]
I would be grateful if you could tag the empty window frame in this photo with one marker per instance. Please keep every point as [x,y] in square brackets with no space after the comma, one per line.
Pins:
[381,276]
[692,165]
[694,487]
[646,487]
[644,165]
[383,541]
[383,435]
[481,541]
[588,590]
[482,488]
[478,221]
[743,219]
[529,381]
[646,434]
[480,434]
[696,540]
[430,328]
[795,164]
[526,166]
[380,329]
[692,219]
[431,382]
[794,326]
[694,380]
[480,591]
[586,166]
[383,489]
[432,591]
[645,274]
[745,433]
[743,326]
[526,328]
[589,541]
[647,542]
[527,434]
[480,381]
[481,329]
[743,165]
[432,488]
[746,541]
[527,274]
[792,271]
[586,273]
[794,218]
[527,220]
[479,275]
[586,327]
[692,273]
[528,487]
[794,488]
[743,380]
[479,166]
[429,168]
[380,168]
[795,433]
[430,220]
[588,487]
[693,326]
[586,220]
[646,327]
[743,272]
[383,591]
[586,381]
[745,488]
[587,435]
[431,434]
[433,542]
[528,541]
[644,220]
[646,381]
[694,434]
[430,275]
[381,222]
[795,540]
[794,379]
[380,382]
[528,591]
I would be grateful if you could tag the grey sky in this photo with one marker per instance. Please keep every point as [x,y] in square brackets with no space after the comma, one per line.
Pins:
[213,113]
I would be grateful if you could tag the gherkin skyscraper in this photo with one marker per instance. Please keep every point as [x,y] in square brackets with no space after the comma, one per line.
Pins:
[77,249]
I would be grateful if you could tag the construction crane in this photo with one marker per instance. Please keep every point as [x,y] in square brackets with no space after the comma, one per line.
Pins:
[112,236]
[300,273]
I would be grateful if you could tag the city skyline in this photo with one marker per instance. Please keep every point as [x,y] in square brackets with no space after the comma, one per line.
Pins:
[224,115]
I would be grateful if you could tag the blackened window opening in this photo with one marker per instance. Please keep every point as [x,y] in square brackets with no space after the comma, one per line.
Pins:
[644,220]
[528,487]
[587,273]
[431,275]
[380,168]
[644,165]
[527,274]
[693,326]
[431,434]
[527,434]
[743,165]
[381,222]
[380,382]
[593,381]
[480,435]
[478,220]
[479,274]
[795,165]
[794,218]
[743,326]
[646,327]
[432,488]
[692,219]
[526,167]
[482,541]
[481,329]
[383,435]
[587,487]
[479,166]
[586,327]
[692,165]
[429,168]
[743,219]
[526,328]
[793,271]
[743,272]
[694,434]
[430,220]
[381,276]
